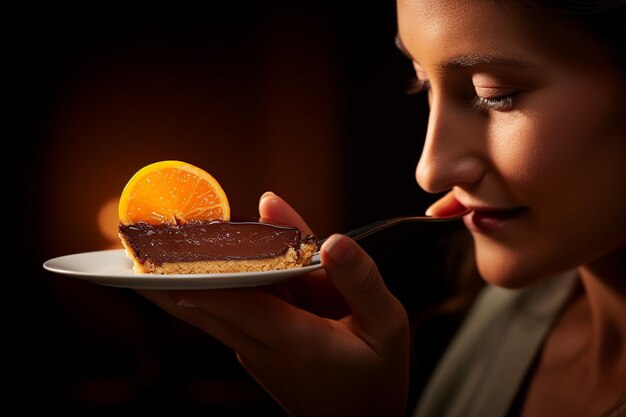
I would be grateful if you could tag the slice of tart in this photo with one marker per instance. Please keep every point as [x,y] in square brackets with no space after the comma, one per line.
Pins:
[175,219]
[202,247]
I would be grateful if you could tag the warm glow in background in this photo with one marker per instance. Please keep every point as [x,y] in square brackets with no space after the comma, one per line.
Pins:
[255,111]
[306,100]
[108,221]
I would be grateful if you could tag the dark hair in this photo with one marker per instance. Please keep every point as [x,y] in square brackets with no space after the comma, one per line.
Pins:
[603,20]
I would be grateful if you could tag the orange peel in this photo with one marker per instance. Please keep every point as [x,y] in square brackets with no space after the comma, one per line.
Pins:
[172,192]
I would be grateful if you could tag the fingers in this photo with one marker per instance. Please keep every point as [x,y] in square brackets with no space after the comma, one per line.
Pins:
[218,328]
[274,209]
[315,293]
[375,310]
[447,205]
[260,315]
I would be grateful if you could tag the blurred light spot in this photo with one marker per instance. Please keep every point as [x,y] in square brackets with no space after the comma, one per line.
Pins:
[107,222]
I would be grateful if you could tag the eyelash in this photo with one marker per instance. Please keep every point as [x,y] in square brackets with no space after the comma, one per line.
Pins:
[501,103]
[417,85]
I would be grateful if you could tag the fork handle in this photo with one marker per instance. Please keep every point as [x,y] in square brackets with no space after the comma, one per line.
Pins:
[374,227]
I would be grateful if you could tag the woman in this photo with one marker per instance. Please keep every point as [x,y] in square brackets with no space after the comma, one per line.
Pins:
[527,131]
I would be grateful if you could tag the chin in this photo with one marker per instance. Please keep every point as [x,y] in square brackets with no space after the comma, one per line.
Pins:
[501,278]
[505,268]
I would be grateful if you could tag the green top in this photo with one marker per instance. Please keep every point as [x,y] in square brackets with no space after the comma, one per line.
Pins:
[481,372]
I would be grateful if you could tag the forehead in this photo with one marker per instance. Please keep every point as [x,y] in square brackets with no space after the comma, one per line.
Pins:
[442,29]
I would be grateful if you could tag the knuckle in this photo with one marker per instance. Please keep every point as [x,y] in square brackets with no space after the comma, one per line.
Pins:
[368,278]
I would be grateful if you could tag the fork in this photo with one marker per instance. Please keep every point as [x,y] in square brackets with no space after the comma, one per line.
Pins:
[379,225]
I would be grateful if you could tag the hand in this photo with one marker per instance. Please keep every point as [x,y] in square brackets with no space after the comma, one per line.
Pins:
[447,205]
[334,342]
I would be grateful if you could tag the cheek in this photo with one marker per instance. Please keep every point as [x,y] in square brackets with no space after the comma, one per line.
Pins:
[570,139]
[565,160]
[525,152]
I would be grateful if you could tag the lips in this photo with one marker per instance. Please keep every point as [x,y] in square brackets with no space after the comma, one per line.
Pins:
[480,218]
[488,220]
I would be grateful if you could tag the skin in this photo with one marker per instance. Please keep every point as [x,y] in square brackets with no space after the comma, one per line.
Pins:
[319,344]
[519,157]
[335,342]
[557,151]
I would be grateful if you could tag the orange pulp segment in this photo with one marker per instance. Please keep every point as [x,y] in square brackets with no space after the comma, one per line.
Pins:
[172,192]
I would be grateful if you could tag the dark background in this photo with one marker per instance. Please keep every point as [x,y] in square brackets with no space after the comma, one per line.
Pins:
[305,99]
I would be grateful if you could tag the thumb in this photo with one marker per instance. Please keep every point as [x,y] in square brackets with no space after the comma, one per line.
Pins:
[375,310]
[274,209]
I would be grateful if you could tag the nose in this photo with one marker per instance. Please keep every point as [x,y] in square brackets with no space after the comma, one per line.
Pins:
[452,150]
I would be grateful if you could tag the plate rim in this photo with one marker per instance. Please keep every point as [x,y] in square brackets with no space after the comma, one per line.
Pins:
[48,266]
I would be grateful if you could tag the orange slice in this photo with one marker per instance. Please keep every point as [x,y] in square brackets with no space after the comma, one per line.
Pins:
[172,192]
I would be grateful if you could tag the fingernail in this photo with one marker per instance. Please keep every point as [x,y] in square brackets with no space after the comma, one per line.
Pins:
[339,249]
[430,209]
[185,303]
[266,194]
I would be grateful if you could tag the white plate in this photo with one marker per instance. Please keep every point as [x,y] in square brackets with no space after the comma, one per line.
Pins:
[114,269]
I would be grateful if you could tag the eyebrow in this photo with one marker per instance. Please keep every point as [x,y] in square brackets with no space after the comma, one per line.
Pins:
[469,60]
[472,60]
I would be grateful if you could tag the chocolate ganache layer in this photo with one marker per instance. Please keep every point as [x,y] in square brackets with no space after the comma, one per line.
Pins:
[202,241]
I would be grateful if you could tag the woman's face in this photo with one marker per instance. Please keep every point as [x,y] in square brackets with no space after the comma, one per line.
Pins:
[527,125]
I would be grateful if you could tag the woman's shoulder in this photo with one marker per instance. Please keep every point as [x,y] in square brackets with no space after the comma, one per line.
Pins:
[480,372]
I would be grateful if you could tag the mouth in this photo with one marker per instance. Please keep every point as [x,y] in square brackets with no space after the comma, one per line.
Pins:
[483,220]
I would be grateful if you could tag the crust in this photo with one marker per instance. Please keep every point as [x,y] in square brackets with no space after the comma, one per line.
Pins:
[291,259]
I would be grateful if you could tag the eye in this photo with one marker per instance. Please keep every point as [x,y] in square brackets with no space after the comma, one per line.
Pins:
[500,103]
